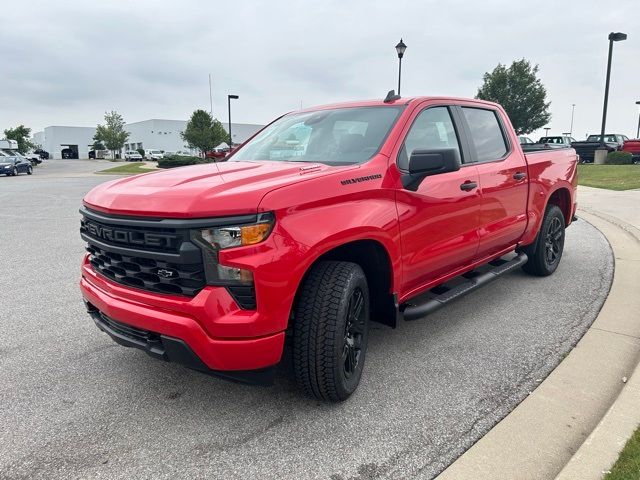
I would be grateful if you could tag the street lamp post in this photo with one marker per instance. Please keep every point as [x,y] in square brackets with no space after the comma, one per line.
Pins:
[400,48]
[613,37]
[573,109]
[229,98]
[546,131]
[638,133]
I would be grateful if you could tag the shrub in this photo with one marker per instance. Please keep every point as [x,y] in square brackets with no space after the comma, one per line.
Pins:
[619,158]
[141,152]
[171,161]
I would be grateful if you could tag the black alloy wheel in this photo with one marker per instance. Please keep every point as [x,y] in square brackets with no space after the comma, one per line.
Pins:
[353,333]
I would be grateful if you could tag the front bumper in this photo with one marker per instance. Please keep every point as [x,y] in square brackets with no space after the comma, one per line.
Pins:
[184,320]
[172,349]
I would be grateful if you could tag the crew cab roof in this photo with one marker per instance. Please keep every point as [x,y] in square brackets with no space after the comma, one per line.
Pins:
[401,101]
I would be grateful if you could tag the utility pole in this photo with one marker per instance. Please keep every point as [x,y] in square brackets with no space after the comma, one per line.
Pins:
[573,109]
[210,98]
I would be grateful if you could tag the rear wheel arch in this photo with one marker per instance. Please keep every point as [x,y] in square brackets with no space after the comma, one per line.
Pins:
[562,198]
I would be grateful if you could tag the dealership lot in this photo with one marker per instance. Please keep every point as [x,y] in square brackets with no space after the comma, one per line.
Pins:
[75,404]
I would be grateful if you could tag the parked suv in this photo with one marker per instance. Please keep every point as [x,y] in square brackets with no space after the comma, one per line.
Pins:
[132,155]
[328,219]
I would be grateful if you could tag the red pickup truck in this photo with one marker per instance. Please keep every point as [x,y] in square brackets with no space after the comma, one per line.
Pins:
[325,220]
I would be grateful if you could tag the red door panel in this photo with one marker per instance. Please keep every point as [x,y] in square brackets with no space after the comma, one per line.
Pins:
[503,216]
[438,226]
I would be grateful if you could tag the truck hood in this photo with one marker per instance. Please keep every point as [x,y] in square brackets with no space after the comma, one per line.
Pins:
[209,190]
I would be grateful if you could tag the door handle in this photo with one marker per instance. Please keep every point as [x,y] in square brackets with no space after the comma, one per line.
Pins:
[519,175]
[468,185]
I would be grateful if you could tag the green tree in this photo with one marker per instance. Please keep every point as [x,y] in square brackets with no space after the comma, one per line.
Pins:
[21,135]
[519,90]
[203,132]
[98,143]
[112,133]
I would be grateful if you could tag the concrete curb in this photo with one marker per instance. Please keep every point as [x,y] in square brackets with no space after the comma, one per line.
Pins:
[601,449]
[539,438]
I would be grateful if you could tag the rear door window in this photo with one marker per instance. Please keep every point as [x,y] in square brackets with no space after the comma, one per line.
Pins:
[486,134]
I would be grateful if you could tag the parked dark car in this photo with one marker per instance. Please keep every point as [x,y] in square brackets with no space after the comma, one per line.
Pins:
[69,153]
[43,154]
[586,149]
[14,165]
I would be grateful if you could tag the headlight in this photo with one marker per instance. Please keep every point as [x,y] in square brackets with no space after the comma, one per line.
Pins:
[214,239]
[237,236]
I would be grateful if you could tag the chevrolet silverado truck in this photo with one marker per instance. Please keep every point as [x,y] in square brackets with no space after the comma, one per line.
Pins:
[326,220]
[586,149]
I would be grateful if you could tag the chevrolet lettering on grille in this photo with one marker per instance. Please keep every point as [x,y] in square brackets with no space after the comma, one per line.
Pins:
[129,237]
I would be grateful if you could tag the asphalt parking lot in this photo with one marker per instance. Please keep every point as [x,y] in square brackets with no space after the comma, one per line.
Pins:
[73,404]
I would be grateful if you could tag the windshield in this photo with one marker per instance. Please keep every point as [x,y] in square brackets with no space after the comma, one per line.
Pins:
[551,140]
[596,138]
[340,136]
[155,151]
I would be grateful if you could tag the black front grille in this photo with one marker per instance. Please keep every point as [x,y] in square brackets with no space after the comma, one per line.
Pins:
[244,295]
[148,273]
[158,255]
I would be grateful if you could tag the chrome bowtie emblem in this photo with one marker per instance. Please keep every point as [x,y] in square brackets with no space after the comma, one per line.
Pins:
[165,273]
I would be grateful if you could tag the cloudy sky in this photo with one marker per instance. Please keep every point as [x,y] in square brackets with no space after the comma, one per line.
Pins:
[66,62]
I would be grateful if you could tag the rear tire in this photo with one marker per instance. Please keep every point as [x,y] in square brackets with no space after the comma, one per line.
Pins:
[331,330]
[545,253]
[29,170]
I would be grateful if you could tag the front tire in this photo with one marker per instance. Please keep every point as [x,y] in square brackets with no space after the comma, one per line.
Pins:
[29,170]
[331,330]
[14,172]
[545,253]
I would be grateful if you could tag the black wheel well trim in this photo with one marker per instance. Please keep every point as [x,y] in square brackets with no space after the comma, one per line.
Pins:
[563,196]
[374,259]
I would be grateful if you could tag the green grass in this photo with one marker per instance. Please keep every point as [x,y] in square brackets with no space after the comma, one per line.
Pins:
[126,169]
[612,177]
[628,465]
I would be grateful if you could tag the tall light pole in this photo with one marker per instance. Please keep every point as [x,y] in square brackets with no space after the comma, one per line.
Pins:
[400,48]
[613,37]
[546,131]
[638,133]
[229,98]
[573,109]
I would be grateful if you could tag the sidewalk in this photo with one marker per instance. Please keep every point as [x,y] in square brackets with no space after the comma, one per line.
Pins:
[576,422]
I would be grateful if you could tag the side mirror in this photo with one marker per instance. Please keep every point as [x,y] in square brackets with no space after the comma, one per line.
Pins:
[424,163]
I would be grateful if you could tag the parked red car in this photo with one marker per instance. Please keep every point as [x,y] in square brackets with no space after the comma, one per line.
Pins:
[633,147]
[328,219]
[218,153]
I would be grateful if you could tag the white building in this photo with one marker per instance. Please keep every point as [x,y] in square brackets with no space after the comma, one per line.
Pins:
[154,134]
[76,140]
